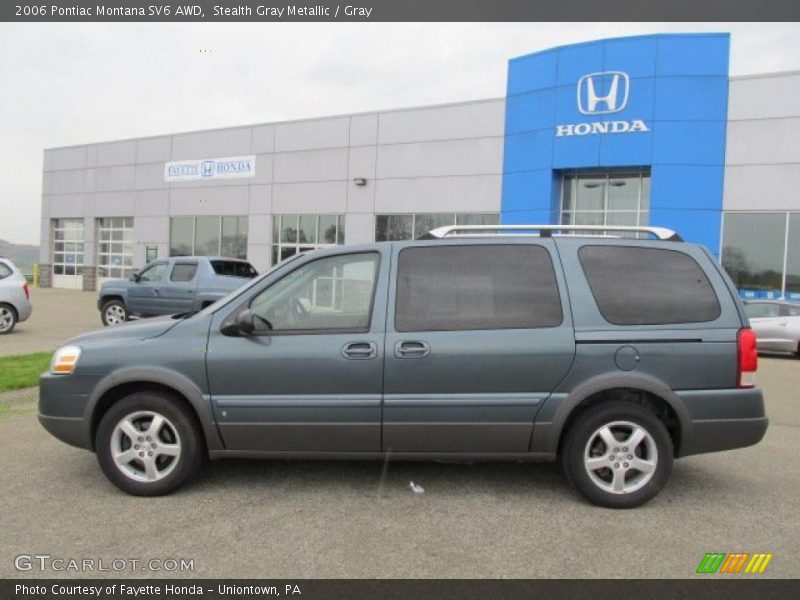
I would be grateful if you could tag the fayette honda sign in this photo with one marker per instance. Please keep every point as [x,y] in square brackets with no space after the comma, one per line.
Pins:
[210,168]
[602,94]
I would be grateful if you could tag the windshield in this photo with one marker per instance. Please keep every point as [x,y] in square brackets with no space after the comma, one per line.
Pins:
[239,291]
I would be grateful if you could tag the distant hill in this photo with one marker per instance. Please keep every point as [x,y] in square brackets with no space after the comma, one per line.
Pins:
[22,255]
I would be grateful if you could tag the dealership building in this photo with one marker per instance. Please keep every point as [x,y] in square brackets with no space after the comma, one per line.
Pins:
[646,130]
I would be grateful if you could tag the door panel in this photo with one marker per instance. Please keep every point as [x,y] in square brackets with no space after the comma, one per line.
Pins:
[143,294]
[471,390]
[177,292]
[295,392]
[300,390]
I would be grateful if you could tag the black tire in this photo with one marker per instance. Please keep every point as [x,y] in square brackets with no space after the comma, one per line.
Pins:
[8,318]
[113,306]
[621,415]
[191,454]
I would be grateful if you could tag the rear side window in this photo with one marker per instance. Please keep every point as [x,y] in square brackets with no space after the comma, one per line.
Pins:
[5,271]
[791,311]
[233,268]
[183,272]
[648,286]
[761,310]
[449,288]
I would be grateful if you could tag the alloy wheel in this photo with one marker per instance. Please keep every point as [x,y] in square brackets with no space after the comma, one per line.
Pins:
[6,319]
[145,446]
[620,457]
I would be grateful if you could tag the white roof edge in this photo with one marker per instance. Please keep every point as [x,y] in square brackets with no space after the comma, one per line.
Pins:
[288,121]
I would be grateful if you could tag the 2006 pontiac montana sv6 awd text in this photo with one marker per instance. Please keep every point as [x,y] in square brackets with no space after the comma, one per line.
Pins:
[611,354]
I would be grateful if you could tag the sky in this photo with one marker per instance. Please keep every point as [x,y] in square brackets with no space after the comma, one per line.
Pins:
[66,84]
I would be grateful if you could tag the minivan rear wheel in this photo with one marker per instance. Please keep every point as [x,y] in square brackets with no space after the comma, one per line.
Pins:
[618,455]
[148,444]
[8,318]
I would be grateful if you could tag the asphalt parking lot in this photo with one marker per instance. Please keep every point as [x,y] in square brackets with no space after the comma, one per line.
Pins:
[57,316]
[346,519]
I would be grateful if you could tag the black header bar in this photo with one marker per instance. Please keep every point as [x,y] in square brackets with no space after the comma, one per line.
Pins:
[397,10]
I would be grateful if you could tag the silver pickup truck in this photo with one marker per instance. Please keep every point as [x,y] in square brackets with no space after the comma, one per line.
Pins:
[171,286]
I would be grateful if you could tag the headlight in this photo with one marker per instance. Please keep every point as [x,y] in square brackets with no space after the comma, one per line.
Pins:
[65,360]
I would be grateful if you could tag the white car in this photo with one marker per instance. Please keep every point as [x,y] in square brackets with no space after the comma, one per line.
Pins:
[15,296]
[777,325]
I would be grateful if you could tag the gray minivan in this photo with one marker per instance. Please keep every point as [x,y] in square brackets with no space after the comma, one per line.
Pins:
[613,355]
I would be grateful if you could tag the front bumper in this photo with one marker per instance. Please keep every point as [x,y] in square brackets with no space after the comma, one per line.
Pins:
[62,403]
[722,420]
[69,430]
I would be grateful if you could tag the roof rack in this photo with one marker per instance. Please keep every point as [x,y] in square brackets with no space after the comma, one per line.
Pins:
[450,231]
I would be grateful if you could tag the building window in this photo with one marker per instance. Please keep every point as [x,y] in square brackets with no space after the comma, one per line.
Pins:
[753,252]
[792,285]
[67,246]
[605,198]
[300,233]
[208,236]
[114,247]
[391,228]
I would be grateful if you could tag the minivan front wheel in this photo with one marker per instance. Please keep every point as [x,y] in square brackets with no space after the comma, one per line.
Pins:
[147,444]
[618,455]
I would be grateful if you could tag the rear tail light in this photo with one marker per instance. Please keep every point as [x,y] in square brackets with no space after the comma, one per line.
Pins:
[27,290]
[747,363]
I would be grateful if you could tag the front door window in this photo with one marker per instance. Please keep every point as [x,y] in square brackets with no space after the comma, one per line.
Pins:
[333,293]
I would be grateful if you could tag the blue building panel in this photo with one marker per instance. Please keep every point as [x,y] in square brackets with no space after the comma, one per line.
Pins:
[528,191]
[686,98]
[696,226]
[576,152]
[531,150]
[635,55]
[689,143]
[578,60]
[657,102]
[693,54]
[534,110]
[533,72]
[626,150]
[686,187]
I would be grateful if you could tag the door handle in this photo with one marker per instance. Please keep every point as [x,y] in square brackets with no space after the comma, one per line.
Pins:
[783,323]
[360,350]
[411,349]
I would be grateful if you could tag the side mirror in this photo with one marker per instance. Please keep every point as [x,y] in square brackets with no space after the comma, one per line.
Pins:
[244,322]
[135,277]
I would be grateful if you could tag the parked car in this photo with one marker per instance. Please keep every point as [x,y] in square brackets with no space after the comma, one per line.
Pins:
[171,286]
[15,296]
[777,325]
[611,355]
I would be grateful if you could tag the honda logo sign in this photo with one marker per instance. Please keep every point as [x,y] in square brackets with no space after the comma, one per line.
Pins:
[603,93]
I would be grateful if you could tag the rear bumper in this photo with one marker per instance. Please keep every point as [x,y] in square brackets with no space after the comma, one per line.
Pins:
[722,420]
[24,310]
